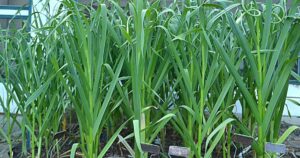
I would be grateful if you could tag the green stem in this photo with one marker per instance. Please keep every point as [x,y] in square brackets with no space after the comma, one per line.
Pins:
[32,137]
[261,106]
[202,99]
[229,141]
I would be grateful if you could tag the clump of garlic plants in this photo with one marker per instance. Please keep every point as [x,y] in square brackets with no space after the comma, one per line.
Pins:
[144,65]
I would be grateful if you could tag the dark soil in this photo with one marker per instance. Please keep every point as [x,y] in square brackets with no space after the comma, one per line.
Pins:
[71,136]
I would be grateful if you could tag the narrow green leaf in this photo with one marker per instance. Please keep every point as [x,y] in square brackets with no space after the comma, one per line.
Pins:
[73,150]
[286,134]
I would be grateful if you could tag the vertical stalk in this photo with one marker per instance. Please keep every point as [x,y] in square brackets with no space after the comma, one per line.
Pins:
[47,147]
[32,137]
[261,107]
[229,141]
[190,117]
[57,148]
[39,147]
[90,144]
[202,99]
[137,70]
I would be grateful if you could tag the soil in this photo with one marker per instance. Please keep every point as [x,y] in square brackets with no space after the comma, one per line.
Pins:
[292,143]
[119,150]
